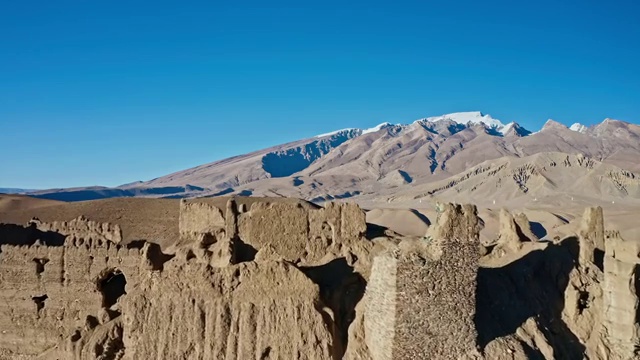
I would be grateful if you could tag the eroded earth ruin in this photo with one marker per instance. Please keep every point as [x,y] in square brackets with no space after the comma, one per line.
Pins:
[278,280]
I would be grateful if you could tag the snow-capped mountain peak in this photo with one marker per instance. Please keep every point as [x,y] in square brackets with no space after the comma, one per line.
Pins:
[578,127]
[336,132]
[377,128]
[474,117]
[466,119]
[356,131]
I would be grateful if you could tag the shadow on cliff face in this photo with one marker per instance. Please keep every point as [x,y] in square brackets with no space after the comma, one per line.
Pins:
[112,286]
[532,286]
[11,234]
[154,254]
[374,231]
[244,252]
[421,216]
[537,229]
[340,289]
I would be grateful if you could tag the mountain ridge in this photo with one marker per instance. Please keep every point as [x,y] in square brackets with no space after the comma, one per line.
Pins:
[351,162]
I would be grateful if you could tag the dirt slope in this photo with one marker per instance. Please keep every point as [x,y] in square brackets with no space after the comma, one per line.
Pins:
[21,202]
[155,220]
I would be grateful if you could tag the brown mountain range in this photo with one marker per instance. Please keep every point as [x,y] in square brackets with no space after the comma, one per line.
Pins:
[408,161]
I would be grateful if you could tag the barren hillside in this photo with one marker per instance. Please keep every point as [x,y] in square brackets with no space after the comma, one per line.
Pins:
[387,158]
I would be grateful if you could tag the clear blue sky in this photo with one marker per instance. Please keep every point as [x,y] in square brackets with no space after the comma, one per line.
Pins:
[109,92]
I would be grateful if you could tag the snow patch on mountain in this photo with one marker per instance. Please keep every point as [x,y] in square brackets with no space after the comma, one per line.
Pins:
[468,118]
[336,132]
[357,132]
[505,129]
[377,128]
[578,127]
[464,118]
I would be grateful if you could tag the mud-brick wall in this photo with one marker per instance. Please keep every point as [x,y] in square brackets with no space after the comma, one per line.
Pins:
[68,276]
[380,308]
[83,228]
[23,328]
[620,294]
[296,231]
[198,218]
[246,311]
[421,307]
[284,226]
[436,304]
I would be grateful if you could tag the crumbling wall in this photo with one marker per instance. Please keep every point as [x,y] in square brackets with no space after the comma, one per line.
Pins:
[620,296]
[583,306]
[509,238]
[284,226]
[591,236]
[94,341]
[380,325]
[579,297]
[296,232]
[436,303]
[421,304]
[514,238]
[524,226]
[246,311]
[82,227]
[48,291]
[281,280]
[300,233]
[455,221]
[197,219]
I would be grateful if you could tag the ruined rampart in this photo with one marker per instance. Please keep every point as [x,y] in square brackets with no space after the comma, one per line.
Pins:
[245,311]
[48,291]
[297,233]
[198,219]
[421,301]
[71,290]
[621,290]
[83,228]
[282,280]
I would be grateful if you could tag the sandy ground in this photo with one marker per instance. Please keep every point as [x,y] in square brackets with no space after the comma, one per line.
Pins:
[157,219]
[547,219]
[20,202]
[154,220]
